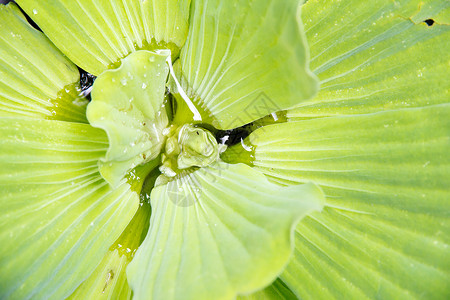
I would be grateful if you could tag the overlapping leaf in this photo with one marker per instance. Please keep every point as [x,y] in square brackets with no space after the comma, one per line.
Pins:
[375,56]
[385,214]
[59,216]
[96,34]
[36,80]
[127,104]
[245,59]
[384,231]
[109,280]
[219,231]
[276,291]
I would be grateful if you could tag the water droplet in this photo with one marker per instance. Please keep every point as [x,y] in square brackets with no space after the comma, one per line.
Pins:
[35,11]
[144,86]
[123,81]
[151,59]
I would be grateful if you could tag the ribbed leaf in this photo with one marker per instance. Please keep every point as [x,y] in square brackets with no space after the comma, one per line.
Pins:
[36,80]
[377,55]
[276,291]
[385,230]
[58,216]
[245,59]
[219,231]
[97,34]
[369,57]
[127,104]
[109,280]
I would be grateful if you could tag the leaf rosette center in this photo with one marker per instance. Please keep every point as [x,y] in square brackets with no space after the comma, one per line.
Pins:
[131,104]
[189,146]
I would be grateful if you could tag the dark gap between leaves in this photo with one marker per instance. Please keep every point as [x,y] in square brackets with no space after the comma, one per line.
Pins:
[86,83]
[429,22]
[233,136]
[30,21]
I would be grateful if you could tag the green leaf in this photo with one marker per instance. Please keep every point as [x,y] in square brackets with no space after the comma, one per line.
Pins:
[438,10]
[127,103]
[384,232]
[375,56]
[95,35]
[275,291]
[36,80]
[245,59]
[58,216]
[217,232]
[109,280]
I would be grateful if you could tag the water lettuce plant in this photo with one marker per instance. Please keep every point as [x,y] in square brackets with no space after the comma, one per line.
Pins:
[225,149]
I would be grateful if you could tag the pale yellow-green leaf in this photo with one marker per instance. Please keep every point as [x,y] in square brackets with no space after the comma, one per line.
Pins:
[218,232]
[375,56]
[244,60]
[276,291]
[36,79]
[127,104]
[109,280]
[95,34]
[58,216]
[384,232]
